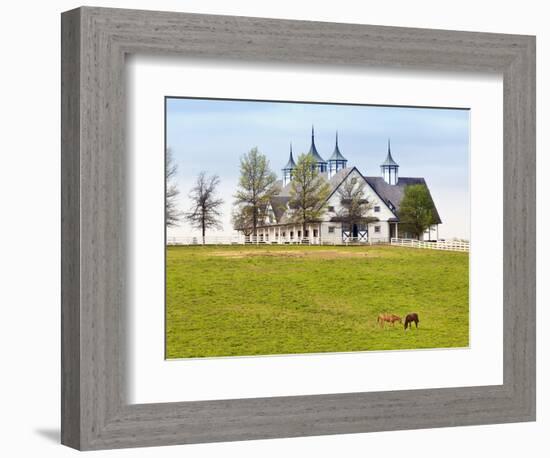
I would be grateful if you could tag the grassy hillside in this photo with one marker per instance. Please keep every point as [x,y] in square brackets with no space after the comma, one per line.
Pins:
[261,300]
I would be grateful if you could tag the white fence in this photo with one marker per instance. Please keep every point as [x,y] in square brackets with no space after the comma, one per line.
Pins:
[448,245]
[208,240]
[231,240]
[260,240]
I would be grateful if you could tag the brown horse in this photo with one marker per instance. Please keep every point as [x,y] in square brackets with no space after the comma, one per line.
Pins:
[410,318]
[389,317]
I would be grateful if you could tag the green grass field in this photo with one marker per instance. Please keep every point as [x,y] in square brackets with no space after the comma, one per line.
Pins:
[262,300]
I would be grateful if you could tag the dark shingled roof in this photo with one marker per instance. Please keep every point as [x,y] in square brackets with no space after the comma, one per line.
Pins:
[284,190]
[390,194]
[337,178]
[278,204]
[334,182]
[393,194]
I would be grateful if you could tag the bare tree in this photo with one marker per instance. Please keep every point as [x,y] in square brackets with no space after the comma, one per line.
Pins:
[354,206]
[309,192]
[205,208]
[173,215]
[242,220]
[256,188]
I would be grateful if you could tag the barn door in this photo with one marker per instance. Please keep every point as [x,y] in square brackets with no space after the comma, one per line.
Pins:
[346,236]
[362,236]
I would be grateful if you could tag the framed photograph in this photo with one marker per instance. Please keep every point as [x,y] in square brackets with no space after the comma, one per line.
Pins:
[318,256]
[277,228]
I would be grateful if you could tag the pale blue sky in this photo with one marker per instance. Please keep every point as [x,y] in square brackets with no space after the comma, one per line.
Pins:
[211,135]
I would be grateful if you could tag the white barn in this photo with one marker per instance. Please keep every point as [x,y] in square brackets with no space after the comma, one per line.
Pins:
[384,192]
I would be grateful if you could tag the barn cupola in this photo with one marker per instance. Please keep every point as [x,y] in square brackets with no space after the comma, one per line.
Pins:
[337,161]
[320,163]
[288,169]
[390,168]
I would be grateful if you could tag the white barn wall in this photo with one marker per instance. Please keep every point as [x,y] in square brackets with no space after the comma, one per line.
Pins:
[383,235]
[383,215]
[334,237]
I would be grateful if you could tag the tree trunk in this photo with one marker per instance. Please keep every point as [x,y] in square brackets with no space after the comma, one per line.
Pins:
[203,233]
[255,224]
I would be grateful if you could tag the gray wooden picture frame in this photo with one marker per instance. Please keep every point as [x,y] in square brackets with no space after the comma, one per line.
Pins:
[95,412]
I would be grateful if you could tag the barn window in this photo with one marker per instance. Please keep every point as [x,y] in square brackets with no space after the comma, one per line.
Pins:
[315,233]
[376,228]
[330,208]
[331,229]
[377,208]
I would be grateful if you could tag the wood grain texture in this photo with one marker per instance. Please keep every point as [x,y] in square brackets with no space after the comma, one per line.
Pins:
[96,413]
[70,229]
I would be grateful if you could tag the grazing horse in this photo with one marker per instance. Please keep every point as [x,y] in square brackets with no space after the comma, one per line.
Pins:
[409,320]
[389,317]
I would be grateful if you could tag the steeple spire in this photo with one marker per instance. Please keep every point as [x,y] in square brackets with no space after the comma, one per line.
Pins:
[321,163]
[336,154]
[288,168]
[290,164]
[389,159]
[389,167]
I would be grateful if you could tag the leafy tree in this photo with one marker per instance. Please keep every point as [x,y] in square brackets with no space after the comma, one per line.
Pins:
[256,188]
[309,192]
[417,210]
[354,206]
[173,215]
[205,208]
